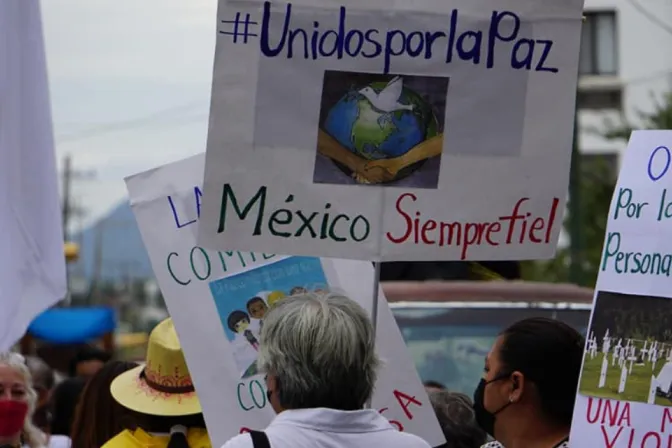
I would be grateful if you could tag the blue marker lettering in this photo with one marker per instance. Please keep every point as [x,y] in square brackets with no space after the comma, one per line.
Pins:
[476,46]
[667,159]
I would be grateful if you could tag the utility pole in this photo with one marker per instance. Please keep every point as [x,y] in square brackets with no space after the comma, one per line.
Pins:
[70,175]
[69,211]
[575,210]
[67,179]
[576,248]
[97,262]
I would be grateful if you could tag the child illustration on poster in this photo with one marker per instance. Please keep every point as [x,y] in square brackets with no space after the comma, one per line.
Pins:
[256,308]
[243,300]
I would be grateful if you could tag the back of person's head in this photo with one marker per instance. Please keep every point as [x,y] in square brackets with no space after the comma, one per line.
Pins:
[318,351]
[433,385]
[457,419]
[159,395]
[548,353]
[63,403]
[43,375]
[87,361]
[44,381]
[98,417]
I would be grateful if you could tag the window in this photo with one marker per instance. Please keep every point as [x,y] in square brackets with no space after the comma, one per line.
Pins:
[598,44]
[449,345]
[595,99]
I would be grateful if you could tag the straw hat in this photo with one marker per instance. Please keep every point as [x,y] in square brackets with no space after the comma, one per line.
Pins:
[163,385]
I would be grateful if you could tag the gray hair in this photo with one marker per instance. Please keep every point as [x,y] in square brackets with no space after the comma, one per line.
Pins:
[456,416]
[321,350]
[32,436]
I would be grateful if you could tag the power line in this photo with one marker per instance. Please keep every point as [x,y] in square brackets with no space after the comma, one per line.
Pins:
[647,78]
[651,16]
[123,125]
[151,120]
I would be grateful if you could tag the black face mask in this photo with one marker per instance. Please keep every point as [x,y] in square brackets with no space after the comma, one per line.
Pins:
[485,418]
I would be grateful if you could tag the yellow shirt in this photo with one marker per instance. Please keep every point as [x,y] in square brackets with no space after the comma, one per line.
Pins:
[197,438]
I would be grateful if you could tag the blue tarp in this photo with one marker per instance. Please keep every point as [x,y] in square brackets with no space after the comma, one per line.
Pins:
[73,325]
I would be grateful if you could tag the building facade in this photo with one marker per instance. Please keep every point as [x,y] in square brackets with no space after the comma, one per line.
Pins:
[626,62]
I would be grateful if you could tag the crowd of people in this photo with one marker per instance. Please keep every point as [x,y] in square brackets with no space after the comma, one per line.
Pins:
[318,354]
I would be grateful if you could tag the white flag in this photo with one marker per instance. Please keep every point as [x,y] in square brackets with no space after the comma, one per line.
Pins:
[32,263]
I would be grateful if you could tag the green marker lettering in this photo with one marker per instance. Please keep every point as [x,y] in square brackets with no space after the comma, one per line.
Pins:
[170,269]
[208,267]
[227,193]
[609,250]
[624,202]
[288,223]
[665,209]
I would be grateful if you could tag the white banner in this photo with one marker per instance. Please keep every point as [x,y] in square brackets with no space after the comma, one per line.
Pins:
[217,301]
[625,392]
[32,261]
[387,130]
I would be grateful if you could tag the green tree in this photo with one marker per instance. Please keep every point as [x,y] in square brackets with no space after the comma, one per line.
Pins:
[660,117]
[596,187]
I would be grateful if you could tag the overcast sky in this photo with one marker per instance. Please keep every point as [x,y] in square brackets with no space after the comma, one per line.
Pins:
[130,85]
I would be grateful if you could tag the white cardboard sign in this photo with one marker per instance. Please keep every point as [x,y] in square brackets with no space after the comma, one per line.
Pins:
[625,392]
[387,130]
[207,295]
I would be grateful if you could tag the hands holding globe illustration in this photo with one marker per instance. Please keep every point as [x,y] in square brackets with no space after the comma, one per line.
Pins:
[375,143]
[386,170]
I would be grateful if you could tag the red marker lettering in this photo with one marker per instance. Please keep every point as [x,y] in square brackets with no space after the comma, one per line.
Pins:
[394,423]
[551,218]
[493,227]
[613,415]
[513,218]
[649,435]
[593,418]
[407,218]
[667,418]
[518,227]
[428,227]
[407,401]
[608,441]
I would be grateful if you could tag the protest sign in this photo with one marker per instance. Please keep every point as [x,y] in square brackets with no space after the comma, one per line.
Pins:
[625,391]
[32,262]
[386,130]
[217,300]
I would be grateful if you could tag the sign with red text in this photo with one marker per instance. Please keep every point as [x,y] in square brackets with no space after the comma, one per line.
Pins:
[217,300]
[625,391]
[387,130]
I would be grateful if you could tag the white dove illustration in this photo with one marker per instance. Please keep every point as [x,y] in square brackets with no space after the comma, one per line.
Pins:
[387,101]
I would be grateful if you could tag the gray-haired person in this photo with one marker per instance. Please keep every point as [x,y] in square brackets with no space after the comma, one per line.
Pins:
[318,352]
[456,416]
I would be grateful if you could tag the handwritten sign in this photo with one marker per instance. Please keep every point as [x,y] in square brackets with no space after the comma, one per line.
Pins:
[217,300]
[625,390]
[362,130]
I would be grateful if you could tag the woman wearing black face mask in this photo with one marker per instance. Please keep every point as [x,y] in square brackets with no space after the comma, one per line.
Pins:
[526,396]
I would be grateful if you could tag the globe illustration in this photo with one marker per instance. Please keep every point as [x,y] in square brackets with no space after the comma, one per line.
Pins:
[373,134]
